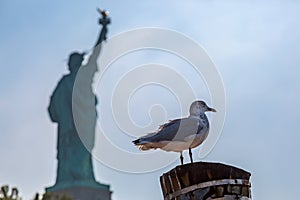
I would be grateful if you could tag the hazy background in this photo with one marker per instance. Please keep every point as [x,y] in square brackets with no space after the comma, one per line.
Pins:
[254,44]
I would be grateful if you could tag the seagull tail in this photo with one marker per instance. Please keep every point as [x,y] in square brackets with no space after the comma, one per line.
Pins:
[137,142]
[141,144]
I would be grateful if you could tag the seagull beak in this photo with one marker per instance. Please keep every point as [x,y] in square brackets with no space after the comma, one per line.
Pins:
[211,109]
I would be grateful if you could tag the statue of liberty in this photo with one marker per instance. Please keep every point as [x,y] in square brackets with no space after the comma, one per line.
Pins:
[73,107]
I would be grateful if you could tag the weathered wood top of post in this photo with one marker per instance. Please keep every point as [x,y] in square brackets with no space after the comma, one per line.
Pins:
[198,179]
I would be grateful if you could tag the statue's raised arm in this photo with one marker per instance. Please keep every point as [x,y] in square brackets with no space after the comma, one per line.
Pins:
[104,21]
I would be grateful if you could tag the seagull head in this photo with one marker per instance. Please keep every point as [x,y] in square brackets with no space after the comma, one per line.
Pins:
[198,107]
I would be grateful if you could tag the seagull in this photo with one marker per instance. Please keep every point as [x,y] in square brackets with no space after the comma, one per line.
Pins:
[179,134]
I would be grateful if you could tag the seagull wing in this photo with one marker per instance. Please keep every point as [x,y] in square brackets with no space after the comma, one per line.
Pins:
[175,130]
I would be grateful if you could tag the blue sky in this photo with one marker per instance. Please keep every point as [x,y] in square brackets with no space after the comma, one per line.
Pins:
[254,45]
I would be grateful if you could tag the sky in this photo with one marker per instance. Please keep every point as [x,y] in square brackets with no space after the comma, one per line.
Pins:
[253,44]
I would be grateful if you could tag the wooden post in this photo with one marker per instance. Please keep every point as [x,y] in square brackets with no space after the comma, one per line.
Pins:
[205,181]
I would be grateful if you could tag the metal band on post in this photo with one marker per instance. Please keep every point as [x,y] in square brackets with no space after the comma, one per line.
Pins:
[208,184]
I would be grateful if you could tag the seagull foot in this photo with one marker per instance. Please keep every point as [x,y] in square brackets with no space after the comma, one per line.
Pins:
[181,158]
[191,155]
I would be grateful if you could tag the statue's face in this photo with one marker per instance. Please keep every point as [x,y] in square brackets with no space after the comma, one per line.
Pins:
[75,61]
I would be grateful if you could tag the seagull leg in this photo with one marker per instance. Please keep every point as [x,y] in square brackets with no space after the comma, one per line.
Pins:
[181,158]
[191,156]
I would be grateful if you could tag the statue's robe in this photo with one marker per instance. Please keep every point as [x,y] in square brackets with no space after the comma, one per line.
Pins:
[73,107]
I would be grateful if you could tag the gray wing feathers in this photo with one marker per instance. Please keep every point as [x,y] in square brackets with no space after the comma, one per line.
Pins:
[175,130]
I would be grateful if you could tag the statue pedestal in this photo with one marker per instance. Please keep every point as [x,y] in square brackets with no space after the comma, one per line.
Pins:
[81,191]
